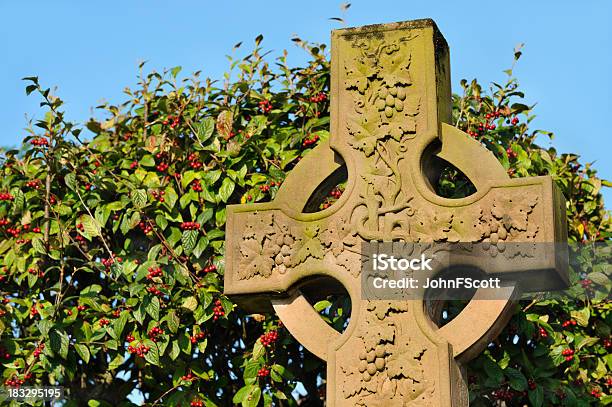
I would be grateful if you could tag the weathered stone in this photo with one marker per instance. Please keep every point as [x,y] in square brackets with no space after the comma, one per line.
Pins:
[391,105]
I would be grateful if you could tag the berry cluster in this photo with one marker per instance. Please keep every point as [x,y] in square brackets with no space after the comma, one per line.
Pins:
[514,121]
[154,272]
[81,307]
[542,332]
[33,311]
[310,140]
[487,125]
[162,167]
[503,394]
[334,195]
[218,310]
[35,183]
[139,350]
[190,226]
[197,337]
[39,141]
[194,161]
[107,263]
[188,377]
[196,186]
[269,338]
[607,343]
[511,153]
[129,338]
[145,227]
[154,333]
[158,196]
[265,106]
[596,392]
[263,372]
[210,268]
[36,230]
[133,165]
[155,291]
[196,403]
[586,283]
[318,98]
[14,382]
[172,120]
[568,353]
[13,231]
[5,196]
[569,322]
[104,322]
[4,222]
[79,238]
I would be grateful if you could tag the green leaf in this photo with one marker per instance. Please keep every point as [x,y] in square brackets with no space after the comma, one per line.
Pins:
[250,371]
[152,355]
[189,240]
[83,351]
[586,341]
[116,362]
[139,197]
[147,161]
[190,303]
[153,308]
[536,396]
[70,181]
[277,372]
[252,399]
[38,245]
[516,379]
[258,350]
[119,325]
[173,321]
[581,316]
[91,227]
[59,343]
[175,350]
[321,305]
[242,394]
[227,187]
[493,371]
[205,129]
[175,71]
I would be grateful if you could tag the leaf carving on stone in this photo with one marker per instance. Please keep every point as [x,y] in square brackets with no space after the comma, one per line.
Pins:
[358,72]
[431,226]
[259,225]
[333,237]
[468,227]
[514,212]
[396,62]
[382,308]
[308,244]
[257,258]
[405,361]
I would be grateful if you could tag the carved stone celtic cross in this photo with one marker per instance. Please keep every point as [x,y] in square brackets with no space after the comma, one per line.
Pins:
[391,105]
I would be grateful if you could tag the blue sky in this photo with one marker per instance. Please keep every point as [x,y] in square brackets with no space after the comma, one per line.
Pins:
[90,50]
